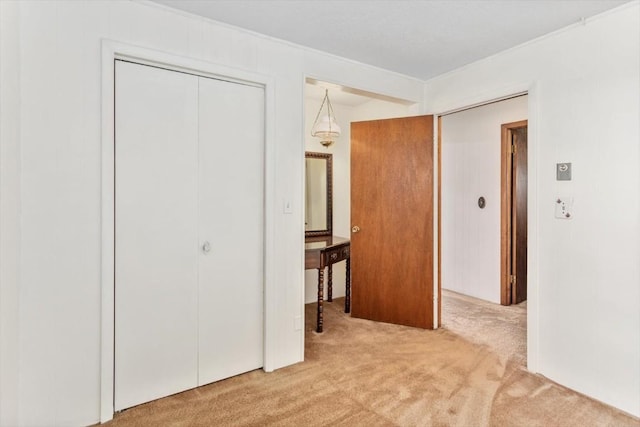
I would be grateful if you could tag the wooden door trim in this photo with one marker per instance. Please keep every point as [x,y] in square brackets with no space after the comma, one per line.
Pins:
[505,203]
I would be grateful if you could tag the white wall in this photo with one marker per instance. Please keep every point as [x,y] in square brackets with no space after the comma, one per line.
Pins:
[377,109]
[471,143]
[584,273]
[9,211]
[341,150]
[53,50]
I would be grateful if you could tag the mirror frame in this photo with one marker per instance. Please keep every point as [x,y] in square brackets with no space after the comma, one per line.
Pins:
[329,159]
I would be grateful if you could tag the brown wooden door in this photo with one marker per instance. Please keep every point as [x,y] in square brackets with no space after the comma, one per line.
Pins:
[392,206]
[519,214]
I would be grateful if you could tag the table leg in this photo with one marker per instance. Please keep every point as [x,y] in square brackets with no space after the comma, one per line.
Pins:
[330,284]
[347,297]
[320,297]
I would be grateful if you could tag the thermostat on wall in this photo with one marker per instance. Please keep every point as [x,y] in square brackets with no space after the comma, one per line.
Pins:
[563,171]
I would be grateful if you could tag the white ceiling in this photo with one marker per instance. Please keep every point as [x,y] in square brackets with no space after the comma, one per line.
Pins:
[418,38]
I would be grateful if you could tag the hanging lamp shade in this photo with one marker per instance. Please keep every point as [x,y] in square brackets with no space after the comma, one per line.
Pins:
[325,127]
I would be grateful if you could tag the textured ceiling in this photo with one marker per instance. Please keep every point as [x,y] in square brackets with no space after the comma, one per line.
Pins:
[418,38]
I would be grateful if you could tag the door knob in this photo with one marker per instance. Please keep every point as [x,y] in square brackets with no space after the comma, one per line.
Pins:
[355,229]
[206,247]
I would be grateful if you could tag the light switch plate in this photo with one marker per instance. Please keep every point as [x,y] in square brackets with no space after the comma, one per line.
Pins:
[286,206]
[563,171]
[564,208]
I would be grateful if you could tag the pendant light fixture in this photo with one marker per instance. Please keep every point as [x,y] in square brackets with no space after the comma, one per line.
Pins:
[326,128]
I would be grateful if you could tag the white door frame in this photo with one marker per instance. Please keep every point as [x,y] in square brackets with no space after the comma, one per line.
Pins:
[112,50]
[533,300]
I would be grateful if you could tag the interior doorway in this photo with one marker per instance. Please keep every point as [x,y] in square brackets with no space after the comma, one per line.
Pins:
[471,196]
[513,246]
[350,104]
[471,201]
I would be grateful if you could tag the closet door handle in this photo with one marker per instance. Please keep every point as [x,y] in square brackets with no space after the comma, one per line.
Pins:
[355,229]
[206,248]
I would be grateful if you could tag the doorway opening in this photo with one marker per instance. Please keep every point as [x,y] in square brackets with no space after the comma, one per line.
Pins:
[513,215]
[492,202]
[349,105]
[473,194]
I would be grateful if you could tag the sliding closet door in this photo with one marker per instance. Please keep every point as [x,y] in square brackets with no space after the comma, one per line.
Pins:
[231,221]
[156,233]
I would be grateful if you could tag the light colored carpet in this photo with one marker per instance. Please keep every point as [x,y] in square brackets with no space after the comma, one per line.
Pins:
[363,373]
[502,328]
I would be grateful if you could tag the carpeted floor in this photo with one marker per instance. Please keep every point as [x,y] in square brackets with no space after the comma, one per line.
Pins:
[502,328]
[363,373]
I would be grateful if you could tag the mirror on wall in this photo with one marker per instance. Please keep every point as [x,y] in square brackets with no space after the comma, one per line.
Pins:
[318,189]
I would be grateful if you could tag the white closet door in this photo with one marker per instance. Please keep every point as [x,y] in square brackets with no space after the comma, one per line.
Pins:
[231,220]
[156,235]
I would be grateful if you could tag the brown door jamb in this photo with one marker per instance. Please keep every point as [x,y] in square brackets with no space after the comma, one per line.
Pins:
[507,220]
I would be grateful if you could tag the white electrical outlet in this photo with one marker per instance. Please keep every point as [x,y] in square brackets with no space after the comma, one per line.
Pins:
[564,207]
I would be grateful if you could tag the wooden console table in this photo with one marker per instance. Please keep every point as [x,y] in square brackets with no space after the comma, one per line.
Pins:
[324,251]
